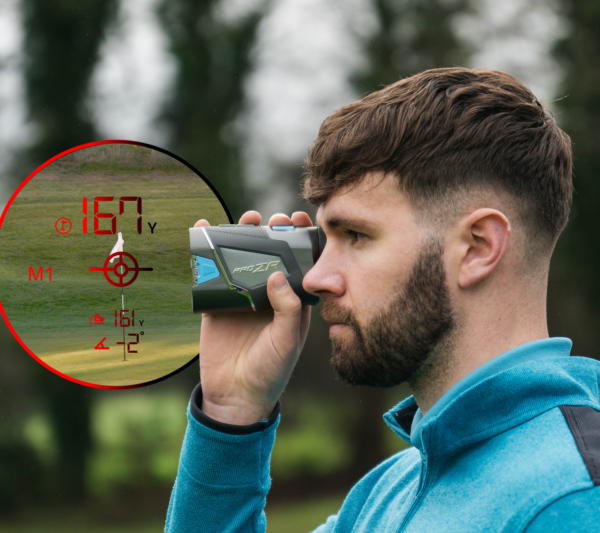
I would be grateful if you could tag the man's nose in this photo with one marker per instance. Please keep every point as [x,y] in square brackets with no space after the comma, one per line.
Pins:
[325,276]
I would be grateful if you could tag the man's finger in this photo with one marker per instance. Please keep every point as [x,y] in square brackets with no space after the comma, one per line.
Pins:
[279,219]
[202,223]
[250,217]
[301,219]
[287,317]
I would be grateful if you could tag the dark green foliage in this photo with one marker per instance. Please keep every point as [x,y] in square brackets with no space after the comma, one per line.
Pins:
[68,406]
[577,258]
[580,118]
[22,476]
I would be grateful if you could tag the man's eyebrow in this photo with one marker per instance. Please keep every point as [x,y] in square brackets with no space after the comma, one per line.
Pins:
[352,223]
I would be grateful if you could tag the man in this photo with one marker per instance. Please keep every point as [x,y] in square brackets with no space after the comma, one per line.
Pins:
[442,197]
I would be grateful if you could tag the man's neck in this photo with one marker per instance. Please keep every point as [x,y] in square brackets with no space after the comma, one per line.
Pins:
[464,352]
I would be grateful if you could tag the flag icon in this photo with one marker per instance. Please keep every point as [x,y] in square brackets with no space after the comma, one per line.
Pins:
[117,247]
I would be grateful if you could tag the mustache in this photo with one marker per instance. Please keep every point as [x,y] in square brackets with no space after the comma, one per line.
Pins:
[334,314]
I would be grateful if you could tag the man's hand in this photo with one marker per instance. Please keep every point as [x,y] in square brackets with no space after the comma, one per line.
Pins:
[246,359]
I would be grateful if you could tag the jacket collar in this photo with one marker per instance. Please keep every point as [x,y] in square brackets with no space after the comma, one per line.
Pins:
[507,391]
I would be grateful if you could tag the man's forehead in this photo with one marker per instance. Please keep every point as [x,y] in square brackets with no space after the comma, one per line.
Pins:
[362,204]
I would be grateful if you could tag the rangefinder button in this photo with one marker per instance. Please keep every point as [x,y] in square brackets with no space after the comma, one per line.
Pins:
[283,228]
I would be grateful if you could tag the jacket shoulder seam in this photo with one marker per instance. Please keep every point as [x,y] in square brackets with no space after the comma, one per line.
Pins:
[584,423]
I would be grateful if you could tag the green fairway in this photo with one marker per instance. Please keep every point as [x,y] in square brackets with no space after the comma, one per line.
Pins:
[55,317]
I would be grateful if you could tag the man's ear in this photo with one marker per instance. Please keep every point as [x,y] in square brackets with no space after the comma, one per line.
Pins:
[485,234]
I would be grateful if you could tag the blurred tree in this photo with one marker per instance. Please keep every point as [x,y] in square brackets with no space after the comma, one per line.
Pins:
[574,303]
[212,52]
[62,38]
[413,35]
[22,476]
[61,49]
[68,405]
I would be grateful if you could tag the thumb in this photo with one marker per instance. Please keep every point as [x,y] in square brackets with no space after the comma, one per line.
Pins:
[288,312]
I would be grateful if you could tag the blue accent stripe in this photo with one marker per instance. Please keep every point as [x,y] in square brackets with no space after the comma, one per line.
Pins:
[207,270]
[283,228]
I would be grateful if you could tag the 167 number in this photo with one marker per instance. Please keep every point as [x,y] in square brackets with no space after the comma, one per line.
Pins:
[110,216]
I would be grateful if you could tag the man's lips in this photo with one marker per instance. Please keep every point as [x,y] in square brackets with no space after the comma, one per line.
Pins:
[337,327]
[338,318]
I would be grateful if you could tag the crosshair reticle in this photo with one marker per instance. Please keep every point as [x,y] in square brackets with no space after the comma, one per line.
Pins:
[120,269]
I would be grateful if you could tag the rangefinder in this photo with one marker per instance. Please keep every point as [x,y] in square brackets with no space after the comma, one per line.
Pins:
[232,262]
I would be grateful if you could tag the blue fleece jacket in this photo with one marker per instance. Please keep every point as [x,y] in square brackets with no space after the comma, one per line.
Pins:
[513,447]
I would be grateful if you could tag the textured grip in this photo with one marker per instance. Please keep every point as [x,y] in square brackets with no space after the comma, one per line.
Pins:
[246,231]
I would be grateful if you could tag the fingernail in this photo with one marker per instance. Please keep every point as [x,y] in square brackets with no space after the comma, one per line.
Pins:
[279,282]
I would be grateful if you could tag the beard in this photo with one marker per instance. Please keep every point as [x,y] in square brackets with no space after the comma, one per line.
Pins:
[394,344]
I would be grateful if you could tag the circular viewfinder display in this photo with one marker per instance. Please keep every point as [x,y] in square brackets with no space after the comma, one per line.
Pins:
[95,277]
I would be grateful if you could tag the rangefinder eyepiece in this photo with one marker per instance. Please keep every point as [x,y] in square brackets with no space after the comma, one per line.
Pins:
[232,262]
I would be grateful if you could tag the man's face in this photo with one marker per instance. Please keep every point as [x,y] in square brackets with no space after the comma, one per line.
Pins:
[382,284]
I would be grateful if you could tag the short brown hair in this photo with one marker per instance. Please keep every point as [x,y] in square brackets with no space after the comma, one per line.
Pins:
[451,130]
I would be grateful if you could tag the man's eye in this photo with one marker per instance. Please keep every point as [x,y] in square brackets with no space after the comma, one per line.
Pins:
[355,236]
